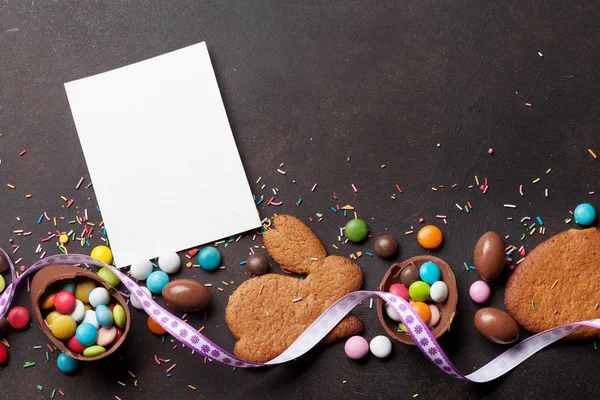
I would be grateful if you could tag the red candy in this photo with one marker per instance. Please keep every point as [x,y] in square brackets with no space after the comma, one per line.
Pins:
[119,334]
[75,346]
[399,290]
[64,302]
[18,318]
[3,354]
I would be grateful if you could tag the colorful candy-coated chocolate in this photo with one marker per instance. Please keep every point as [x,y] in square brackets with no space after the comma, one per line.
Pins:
[381,346]
[106,336]
[87,307]
[209,258]
[94,351]
[119,315]
[400,290]
[79,312]
[99,296]
[169,262]
[435,315]
[2,284]
[86,334]
[141,269]
[430,237]
[438,291]
[392,314]
[18,318]
[69,286]
[157,281]
[409,275]
[419,291]
[52,315]
[83,289]
[109,276]
[64,302]
[3,354]
[479,291]
[90,318]
[66,363]
[104,316]
[402,328]
[356,230]
[47,301]
[133,300]
[585,214]
[118,336]
[422,309]
[356,347]
[74,345]
[430,272]
[63,327]
[155,327]
[102,253]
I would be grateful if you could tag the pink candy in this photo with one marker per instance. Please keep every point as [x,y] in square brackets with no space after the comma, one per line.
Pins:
[400,290]
[479,291]
[356,347]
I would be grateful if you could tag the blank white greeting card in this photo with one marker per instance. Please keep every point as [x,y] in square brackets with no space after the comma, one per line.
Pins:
[161,155]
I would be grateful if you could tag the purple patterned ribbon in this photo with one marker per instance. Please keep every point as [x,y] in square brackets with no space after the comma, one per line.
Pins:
[317,330]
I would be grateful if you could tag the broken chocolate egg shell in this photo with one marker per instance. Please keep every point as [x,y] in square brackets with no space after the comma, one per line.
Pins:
[47,278]
[447,307]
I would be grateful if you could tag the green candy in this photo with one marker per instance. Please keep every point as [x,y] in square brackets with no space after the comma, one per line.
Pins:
[356,230]
[419,291]
[2,283]
[94,351]
[402,327]
[108,276]
[119,316]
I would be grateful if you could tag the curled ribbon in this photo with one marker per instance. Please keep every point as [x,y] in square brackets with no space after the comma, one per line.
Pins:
[419,331]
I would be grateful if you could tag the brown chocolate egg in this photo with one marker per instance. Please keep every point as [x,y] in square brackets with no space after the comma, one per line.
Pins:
[186,295]
[496,325]
[386,246]
[409,275]
[489,256]
[4,267]
[4,325]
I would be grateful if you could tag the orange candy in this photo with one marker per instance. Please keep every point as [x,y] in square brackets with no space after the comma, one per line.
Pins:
[430,237]
[47,302]
[155,327]
[423,310]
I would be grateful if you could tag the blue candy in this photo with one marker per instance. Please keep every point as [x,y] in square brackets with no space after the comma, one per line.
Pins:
[104,316]
[156,281]
[67,364]
[69,286]
[86,334]
[209,258]
[430,273]
[585,214]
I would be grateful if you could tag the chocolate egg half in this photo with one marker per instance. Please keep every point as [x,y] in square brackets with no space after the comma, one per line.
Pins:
[489,256]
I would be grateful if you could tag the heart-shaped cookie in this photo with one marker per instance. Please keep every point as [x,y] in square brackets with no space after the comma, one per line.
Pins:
[267,313]
[557,283]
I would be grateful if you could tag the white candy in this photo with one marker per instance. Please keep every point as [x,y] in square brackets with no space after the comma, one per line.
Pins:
[435,316]
[90,316]
[169,263]
[133,301]
[381,346]
[79,311]
[438,291]
[99,296]
[141,269]
[391,313]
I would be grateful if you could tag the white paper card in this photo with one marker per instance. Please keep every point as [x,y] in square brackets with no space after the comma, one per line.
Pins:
[161,155]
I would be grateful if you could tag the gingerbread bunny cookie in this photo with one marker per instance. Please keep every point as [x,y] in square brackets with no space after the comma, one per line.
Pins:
[267,313]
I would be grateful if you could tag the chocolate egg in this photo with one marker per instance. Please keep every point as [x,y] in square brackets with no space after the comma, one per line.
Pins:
[4,325]
[496,325]
[186,295]
[4,267]
[257,264]
[386,246]
[489,256]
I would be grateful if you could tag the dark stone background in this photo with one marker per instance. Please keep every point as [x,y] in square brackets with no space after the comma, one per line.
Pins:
[309,84]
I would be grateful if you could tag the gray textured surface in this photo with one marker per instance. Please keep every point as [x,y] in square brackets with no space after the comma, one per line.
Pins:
[310,84]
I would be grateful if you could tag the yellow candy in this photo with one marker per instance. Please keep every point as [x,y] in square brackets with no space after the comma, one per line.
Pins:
[52,316]
[47,302]
[63,238]
[87,307]
[63,327]
[83,289]
[103,254]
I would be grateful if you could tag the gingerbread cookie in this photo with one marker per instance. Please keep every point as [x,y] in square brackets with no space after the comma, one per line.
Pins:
[267,313]
[557,283]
